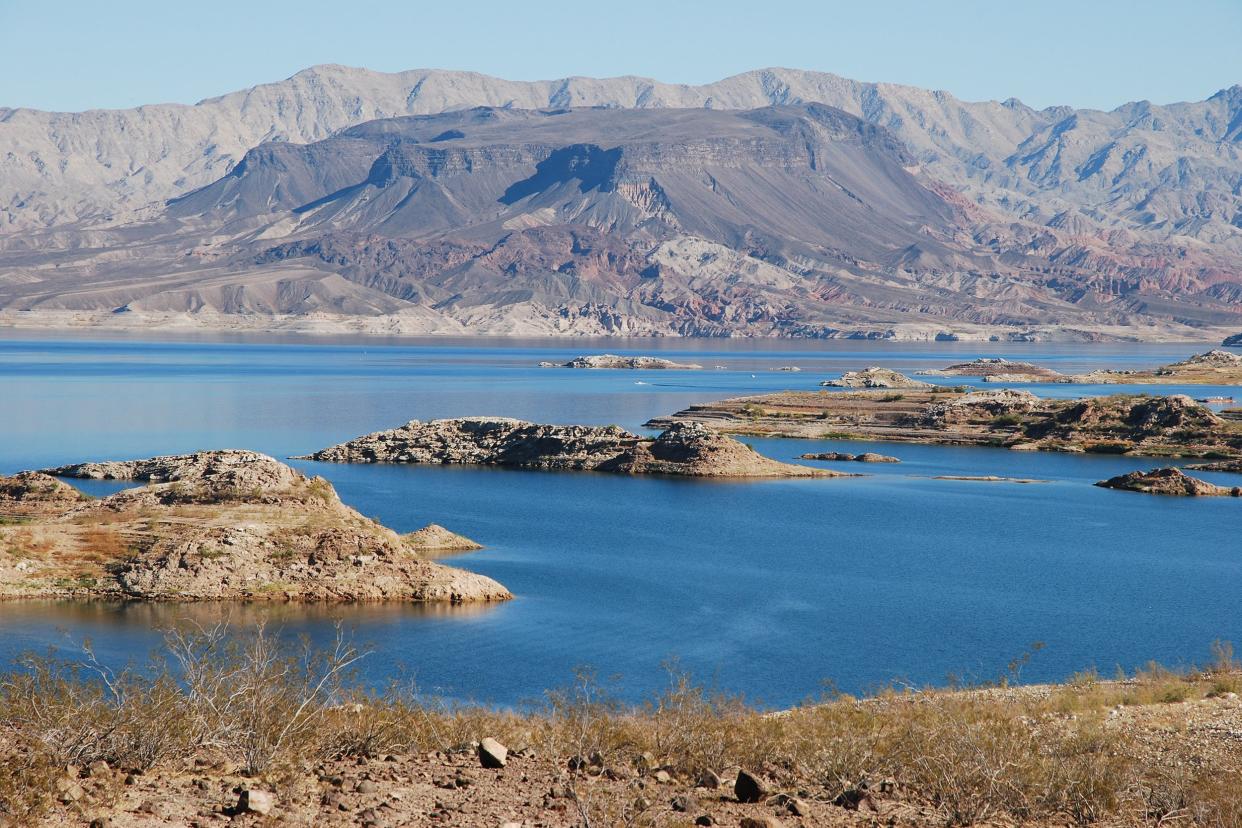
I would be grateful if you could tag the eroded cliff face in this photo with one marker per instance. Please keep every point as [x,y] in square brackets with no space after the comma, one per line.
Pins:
[219,525]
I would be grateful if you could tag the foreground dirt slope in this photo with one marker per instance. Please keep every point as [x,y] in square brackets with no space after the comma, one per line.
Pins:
[1166,731]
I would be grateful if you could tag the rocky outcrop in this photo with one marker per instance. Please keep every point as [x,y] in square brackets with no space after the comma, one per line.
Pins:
[874,377]
[996,369]
[1169,481]
[685,449]
[434,539]
[33,493]
[838,456]
[220,525]
[646,363]
[1174,426]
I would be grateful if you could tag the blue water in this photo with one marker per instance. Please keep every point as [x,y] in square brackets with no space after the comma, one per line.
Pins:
[768,588]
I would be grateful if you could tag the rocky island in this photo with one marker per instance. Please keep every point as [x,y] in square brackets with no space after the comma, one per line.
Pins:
[216,525]
[1169,481]
[874,377]
[996,369]
[1174,426]
[632,363]
[844,457]
[684,449]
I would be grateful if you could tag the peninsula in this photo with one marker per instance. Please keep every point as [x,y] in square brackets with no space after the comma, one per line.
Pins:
[216,525]
[1174,426]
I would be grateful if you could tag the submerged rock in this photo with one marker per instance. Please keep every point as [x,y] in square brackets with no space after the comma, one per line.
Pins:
[874,377]
[1169,481]
[686,449]
[221,525]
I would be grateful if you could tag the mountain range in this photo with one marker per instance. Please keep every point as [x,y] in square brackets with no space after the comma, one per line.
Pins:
[774,203]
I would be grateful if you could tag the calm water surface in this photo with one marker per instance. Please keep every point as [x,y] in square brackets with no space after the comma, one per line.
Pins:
[769,588]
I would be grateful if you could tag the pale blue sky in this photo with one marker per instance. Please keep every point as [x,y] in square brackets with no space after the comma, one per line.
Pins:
[79,54]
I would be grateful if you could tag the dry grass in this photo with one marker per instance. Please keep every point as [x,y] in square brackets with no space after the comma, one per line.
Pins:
[968,756]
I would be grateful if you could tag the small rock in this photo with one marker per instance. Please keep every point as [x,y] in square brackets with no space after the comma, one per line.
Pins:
[662,776]
[749,788]
[704,819]
[855,799]
[69,791]
[760,822]
[160,810]
[646,762]
[366,786]
[255,801]
[98,768]
[683,803]
[708,779]
[101,822]
[492,754]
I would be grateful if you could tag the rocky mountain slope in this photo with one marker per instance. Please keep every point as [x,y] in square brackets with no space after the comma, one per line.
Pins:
[890,212]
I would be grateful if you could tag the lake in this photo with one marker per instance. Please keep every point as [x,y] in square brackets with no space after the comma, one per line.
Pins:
[775,589]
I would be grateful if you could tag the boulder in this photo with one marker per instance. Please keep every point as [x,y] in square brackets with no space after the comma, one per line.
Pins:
[749,788]
[492,754]
[255,801]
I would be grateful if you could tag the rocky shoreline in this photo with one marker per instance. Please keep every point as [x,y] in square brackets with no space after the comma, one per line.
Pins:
[682,449]
[217,525]
[1172,426]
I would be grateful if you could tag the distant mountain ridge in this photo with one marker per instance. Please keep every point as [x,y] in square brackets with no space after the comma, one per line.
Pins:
[1119,167]
[992,217]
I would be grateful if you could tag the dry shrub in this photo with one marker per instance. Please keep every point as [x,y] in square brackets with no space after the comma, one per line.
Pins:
[103,543]
[27,777]
[993,755]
